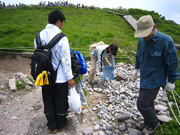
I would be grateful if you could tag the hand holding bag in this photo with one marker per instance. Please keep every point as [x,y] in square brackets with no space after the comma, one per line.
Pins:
[74,101]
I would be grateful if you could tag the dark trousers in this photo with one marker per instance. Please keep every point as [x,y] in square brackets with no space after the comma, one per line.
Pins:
[55,104]
[145,104]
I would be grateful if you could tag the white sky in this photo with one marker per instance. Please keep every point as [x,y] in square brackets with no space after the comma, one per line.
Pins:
[168,8]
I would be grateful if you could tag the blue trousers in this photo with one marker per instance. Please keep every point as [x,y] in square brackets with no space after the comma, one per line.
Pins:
[55,104]
[145,104]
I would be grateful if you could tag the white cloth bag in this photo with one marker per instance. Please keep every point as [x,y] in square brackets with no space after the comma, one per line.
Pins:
[74,101]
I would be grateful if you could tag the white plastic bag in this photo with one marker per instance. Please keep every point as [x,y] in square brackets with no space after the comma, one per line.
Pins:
[74,101]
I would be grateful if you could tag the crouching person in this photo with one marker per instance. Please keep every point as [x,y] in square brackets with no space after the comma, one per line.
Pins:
[99,54]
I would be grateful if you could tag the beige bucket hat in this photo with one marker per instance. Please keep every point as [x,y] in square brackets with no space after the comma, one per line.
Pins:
[145,26]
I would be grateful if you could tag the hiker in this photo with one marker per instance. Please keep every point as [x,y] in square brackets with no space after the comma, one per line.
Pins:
[157,61]
[100,53]
[55,97]
[4,5]
[78,78]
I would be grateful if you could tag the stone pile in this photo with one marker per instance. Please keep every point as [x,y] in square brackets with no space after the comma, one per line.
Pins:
[119,114]
[6,92]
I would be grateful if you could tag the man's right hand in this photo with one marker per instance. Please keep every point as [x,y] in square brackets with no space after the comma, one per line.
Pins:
[71,83]
[134,74]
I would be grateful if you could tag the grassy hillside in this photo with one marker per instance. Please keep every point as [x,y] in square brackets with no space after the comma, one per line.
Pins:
[166,26]
[83,27]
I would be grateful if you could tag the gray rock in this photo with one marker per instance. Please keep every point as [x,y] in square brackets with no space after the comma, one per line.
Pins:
[95,133]
[87,131]
[130,121]
[122,127]
[101,133]
[161,108]
[24,78]
[108,132]
[120,77]
[12,84]
[37,107]
[103,128]
[108,127]
[96,127]
[164,118]
[132,131]
[123,117]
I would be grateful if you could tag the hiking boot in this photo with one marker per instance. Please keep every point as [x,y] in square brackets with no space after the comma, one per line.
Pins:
[53,131]
[150,130]
[69,122]
[141,126]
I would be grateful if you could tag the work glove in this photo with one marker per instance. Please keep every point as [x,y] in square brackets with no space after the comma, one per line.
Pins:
[114,73]
[169,86]
[101,73]
[134,74]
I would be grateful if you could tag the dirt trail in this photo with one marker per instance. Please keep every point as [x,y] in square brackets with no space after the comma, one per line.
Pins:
[21,113]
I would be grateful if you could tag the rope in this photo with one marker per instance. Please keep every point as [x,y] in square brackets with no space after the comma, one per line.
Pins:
[172,109]
[175,102]
[177,94]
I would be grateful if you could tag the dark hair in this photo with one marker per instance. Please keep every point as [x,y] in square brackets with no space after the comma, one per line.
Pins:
[113,48]
[56,15]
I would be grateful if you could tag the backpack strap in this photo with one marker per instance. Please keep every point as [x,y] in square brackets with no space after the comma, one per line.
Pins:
[38,40]
[55,39]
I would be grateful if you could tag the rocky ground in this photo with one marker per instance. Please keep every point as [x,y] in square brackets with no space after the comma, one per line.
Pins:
[111,106]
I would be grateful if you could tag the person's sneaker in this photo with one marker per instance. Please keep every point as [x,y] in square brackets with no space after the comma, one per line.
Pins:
[69,122]
[141,126]
[53,131]
[150,130]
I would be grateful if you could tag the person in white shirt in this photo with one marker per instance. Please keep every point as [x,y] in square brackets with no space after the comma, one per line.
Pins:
[100,53]
[55,97]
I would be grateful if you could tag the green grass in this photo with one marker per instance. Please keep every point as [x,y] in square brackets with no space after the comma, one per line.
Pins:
[83,27]
[30,78]
[20,85]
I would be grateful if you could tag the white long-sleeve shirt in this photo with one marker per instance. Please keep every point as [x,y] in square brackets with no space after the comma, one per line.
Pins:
[60,52]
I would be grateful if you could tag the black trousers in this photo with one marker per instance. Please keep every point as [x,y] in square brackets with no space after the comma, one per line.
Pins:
[145,104]
[55,104]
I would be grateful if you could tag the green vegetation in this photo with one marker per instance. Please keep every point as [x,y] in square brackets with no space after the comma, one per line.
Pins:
[83,28]
[20,84]
[30,78]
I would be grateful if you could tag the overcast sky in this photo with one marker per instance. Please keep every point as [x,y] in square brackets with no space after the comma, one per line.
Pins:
[168,8]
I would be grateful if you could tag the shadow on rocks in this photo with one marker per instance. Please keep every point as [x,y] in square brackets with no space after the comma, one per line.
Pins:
[37,126]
